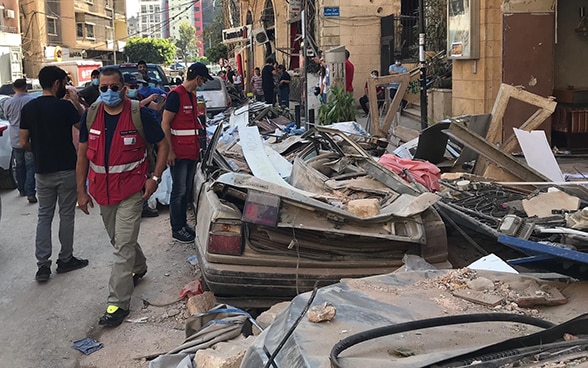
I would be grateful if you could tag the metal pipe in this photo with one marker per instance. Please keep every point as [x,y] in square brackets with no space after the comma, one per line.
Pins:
[423,66]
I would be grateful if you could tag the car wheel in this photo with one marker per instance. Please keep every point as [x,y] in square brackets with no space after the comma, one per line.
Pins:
[8,177]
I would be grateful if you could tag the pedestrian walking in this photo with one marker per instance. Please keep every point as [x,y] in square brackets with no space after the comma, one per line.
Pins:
[25,165]
[91,93]
[114,135]
[267,81]
[182,130]
[46,129]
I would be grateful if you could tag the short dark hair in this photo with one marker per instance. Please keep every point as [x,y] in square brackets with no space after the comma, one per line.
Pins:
[49,74]
[141,62]
[269,60]
[347,54]
[95,72]
[377,73]
[20,83]
[281,67]
[113,71]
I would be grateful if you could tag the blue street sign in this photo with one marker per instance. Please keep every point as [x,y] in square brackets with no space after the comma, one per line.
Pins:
[331,11]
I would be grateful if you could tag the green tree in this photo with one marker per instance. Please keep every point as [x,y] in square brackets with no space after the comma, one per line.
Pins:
[213,39]
[186,45]
[152,50]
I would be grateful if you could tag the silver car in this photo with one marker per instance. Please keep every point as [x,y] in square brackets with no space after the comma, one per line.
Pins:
[215,95]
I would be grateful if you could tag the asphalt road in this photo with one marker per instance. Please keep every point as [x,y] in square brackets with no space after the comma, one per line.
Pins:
[39,322]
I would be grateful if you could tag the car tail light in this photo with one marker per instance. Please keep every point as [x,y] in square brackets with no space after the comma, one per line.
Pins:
[229,102]
[261,208]
[225,238]
[2,129]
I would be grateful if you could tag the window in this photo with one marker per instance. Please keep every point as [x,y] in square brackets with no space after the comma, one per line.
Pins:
[90,30]
[109,33]
[143,9]
[197,28]
[80,30]
[52,26]
[143,19]
[196,8]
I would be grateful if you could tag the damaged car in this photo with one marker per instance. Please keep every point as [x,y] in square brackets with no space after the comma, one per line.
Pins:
[278,216]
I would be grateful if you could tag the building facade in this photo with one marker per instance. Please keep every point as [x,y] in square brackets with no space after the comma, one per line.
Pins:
[176,12]
[10,42]
[69,32]
[150,19]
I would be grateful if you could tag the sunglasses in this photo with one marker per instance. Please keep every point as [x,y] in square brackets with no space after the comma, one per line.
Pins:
[112,87]
[131,86]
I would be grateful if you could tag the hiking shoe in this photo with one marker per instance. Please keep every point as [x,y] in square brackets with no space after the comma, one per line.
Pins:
[183,236]
[73,264]
[138,276]
[32,199]
[149,212]
[113,317]
[190,230]
[43,274]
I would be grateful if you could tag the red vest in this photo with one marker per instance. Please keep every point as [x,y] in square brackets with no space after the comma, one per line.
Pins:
[127,160]
[185,126]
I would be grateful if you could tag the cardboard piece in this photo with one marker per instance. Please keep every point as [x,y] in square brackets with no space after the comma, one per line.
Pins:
[543,204]
[538,154]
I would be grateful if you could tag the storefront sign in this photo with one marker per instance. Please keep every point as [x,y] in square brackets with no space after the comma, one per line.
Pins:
[238,34]
[331,11]
[295,8]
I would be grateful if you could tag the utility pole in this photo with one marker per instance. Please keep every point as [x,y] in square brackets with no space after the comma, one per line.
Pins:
[422,61]
[113,37]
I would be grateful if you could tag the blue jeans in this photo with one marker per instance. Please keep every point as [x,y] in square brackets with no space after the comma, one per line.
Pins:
[25,171]
[182,174]
[54,188]
[285,97]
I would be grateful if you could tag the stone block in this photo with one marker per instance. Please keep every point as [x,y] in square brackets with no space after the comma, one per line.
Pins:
[224,354]
[268,317]
[200,303]
[364,208]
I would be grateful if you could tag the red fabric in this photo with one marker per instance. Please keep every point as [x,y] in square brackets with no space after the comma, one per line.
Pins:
[349,70]
[127,147]
[423,172]
[186,146]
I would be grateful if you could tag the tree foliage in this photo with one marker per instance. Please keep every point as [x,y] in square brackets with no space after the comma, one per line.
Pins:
[186,45]
[213,39]
[152,50]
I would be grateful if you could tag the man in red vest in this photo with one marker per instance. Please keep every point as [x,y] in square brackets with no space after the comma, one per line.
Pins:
[182,130]
[113,159]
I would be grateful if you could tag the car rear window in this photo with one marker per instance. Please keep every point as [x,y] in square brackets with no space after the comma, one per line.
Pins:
[211,85]
[151,72]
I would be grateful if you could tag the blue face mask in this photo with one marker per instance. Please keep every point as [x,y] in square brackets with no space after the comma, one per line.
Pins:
[132,93]
[95,81]
[110,98]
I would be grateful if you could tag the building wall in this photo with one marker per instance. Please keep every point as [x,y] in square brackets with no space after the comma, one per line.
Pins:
[476,82]
[570,71]
[10,43]
[150,18]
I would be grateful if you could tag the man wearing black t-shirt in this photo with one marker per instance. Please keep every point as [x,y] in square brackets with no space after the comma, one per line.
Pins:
[46,129]
[267,81]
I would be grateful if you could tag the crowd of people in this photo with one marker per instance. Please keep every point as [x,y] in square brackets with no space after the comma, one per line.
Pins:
[129,132]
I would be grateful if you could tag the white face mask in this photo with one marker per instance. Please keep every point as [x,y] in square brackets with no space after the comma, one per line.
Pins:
[398,63]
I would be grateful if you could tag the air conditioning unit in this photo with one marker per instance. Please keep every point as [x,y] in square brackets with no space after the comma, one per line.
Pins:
[8,13]
[260,36]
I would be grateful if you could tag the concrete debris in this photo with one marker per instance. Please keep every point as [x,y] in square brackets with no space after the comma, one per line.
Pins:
[479,297]
[268,317]
[364,208]
[480,284]
[543,204]
[540,295]
[578,220]
[224,354]
[200,303]
[321,313]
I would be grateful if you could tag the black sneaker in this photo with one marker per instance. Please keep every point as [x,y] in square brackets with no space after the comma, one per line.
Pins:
[149,212]
[32,199]
[73,264]
[183,236]
[190,230]
[43,274]
[138,276]
[113,317]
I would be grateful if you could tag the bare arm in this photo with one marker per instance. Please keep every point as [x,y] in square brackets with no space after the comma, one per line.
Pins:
[166,121]
[23,139]
[84,199]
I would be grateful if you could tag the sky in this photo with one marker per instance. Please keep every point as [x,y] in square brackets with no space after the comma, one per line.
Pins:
[132,8]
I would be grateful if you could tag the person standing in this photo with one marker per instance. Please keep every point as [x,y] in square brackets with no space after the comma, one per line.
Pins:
[25,165]
[364,100]
[111,152]
[267,81]
[349,71]
[142,68]
[90,94]
[396,68]
[46,129]
[256,84]
[284,86]
[182,130]
[230,74]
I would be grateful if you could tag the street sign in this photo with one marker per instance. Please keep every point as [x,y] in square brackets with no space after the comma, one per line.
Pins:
[331,11]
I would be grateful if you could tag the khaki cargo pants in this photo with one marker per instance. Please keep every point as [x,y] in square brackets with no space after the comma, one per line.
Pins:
[122,222]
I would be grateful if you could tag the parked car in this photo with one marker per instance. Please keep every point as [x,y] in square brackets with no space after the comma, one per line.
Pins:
[177,66]
[259,241]
[154,71]
[7,171]
[215,95]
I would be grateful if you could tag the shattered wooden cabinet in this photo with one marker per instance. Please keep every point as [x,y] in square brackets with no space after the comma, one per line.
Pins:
[570,119]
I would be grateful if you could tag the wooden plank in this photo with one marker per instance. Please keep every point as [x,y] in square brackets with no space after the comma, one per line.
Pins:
[373,82]
[492,153]
[479,297]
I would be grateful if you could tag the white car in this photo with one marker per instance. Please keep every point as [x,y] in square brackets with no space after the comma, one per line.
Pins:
[215,95]
[7,172]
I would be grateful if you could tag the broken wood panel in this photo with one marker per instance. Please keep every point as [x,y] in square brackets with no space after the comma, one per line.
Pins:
[404,80]
[478,144]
